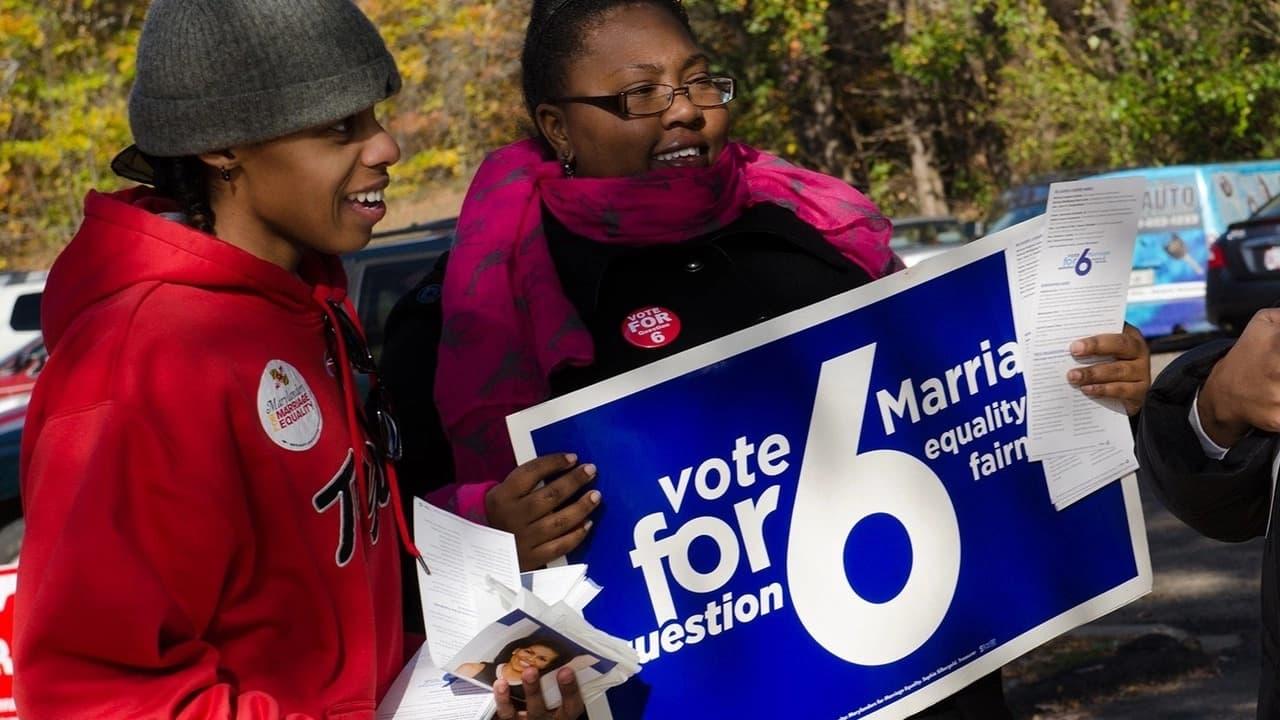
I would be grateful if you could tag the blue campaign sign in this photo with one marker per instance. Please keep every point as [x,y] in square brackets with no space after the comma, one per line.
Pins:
[832,515]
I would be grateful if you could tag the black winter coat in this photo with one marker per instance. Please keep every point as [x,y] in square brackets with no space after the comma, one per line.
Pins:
[1228,499]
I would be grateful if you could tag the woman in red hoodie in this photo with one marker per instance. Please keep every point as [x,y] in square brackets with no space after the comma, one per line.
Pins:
[210,528]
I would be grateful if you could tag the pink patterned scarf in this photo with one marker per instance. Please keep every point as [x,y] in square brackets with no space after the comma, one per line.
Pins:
[507,322]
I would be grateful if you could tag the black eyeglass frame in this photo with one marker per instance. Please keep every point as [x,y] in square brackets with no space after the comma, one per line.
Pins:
[617,103]
[384,430]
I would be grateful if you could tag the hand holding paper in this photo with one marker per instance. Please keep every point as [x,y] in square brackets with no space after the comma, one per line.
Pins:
[535,636]
[491,627]
[571,706]
[1125,378]
[1069,271]
[1080,285]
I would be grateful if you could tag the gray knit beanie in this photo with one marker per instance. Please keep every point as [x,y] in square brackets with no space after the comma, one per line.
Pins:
[213,74]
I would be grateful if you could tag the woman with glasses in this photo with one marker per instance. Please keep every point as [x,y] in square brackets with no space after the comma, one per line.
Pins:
[211,518]
[630,207]
[628,230]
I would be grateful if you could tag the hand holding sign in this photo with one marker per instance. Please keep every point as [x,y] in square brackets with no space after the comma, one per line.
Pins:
[545,528]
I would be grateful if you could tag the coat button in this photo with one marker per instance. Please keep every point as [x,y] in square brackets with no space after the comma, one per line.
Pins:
[693,266]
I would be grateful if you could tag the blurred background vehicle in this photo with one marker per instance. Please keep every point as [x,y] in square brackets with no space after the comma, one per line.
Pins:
[918,238]
[1017,204]
[18,373]
[1026,200]
[1186,208]
[1244,269]
[393,263]
[20,296]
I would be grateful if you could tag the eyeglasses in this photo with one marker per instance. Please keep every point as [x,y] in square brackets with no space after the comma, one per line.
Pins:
[655,99]
[384,430]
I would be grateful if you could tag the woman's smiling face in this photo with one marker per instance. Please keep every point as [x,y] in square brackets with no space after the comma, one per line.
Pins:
[633,46]
[537,657]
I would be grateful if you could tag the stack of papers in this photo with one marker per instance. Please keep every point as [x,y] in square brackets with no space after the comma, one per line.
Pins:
[485,621]
[1069,275]
[425,692]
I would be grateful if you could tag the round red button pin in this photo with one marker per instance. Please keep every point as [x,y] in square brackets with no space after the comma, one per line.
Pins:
[651,328]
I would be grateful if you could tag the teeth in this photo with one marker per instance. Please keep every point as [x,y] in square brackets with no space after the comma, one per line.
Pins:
[676,155]
[367,198]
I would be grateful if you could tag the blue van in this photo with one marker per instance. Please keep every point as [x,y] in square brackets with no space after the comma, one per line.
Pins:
[1185,209]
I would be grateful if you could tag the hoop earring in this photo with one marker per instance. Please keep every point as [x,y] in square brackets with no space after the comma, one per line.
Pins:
[226,174]
[566,164]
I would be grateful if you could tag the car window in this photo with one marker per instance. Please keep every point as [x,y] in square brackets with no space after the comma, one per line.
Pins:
[1270,210]
[382,286]
[926,234]
[26,313]
[1015,216]
[902,237]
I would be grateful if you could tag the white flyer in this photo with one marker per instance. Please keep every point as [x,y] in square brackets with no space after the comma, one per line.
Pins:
[424,692]
[456,601]
[1080,288]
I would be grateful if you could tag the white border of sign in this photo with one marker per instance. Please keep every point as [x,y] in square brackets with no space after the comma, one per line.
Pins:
[521,426]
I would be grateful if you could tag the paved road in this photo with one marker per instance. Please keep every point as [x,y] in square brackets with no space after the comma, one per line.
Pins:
[1208,589]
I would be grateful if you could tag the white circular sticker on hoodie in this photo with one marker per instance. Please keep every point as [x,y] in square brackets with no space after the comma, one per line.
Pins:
[288,408]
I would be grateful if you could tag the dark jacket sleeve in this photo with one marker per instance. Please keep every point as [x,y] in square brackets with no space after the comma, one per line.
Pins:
[1228,499]
[408,371]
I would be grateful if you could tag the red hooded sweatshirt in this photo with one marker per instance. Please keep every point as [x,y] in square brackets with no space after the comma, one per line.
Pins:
[201,541]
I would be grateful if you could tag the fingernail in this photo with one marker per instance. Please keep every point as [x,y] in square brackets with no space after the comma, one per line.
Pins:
[1073,376]
[594,496]
[500,686]
[586,527]
[565,676]
[590,470]
[571,458]
[1077,348]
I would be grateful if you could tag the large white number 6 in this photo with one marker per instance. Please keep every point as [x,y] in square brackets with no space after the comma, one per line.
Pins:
[837,489]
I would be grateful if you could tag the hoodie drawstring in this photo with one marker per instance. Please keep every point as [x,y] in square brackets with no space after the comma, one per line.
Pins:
[357,431]
[406,538]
